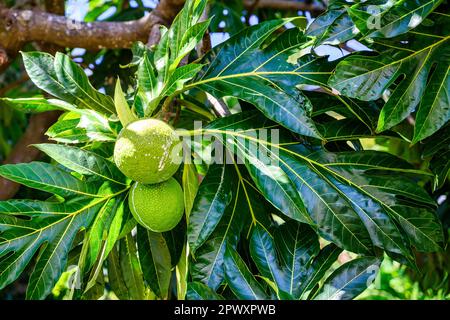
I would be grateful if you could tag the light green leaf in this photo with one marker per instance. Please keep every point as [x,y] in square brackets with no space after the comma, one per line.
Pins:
[123,110]
[74,80]
[31,105]
[46,177]
[190,186]
[83,161]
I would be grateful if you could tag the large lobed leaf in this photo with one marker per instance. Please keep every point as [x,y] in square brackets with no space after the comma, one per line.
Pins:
[50,227]
[290,261]
[359,200]
[413,68]
[266,72]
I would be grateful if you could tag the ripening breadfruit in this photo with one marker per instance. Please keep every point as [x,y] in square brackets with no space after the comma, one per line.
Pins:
[158,207]
[148,151]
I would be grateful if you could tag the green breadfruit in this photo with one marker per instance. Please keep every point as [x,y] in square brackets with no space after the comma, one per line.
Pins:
[158,207]
[148,151]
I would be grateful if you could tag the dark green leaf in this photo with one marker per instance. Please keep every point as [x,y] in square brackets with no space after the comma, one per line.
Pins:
[349,280]
[267,78]
[240,279]
[198,291]
[213,196]
[155,260]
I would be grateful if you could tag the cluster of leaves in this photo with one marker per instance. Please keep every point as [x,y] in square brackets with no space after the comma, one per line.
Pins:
[253,228]
[394,282]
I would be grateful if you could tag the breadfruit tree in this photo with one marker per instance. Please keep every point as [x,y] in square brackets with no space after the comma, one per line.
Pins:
[222,149]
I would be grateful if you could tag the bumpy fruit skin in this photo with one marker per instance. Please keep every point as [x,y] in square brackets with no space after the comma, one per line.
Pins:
[158,207]
[144,151]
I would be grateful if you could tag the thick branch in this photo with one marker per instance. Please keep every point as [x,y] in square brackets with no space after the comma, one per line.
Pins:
[20,26]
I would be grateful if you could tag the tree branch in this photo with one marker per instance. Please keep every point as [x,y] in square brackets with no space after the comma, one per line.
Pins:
[18,27]
[21,26]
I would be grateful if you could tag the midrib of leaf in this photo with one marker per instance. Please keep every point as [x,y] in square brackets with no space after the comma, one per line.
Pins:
[50,257]
[265,252]
[97,267]
[251,74]
[78,98]
[413,79]
[241,182]
[393,47]
[23,253]
[393,189]
[158,279]
[243,277]
[338,290]
[97,173]
[413,171]
[264,35]
[400,61]
[58,186]
[225,235]
[69,215]
[283,51]
[294,253]
[16,226]
[433,104]
[428,34]
[356,114]
[130,262]
[216,195]
[340,32]
[55,80]
[86,248]
[417,230]
[147,66]
[314,275]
